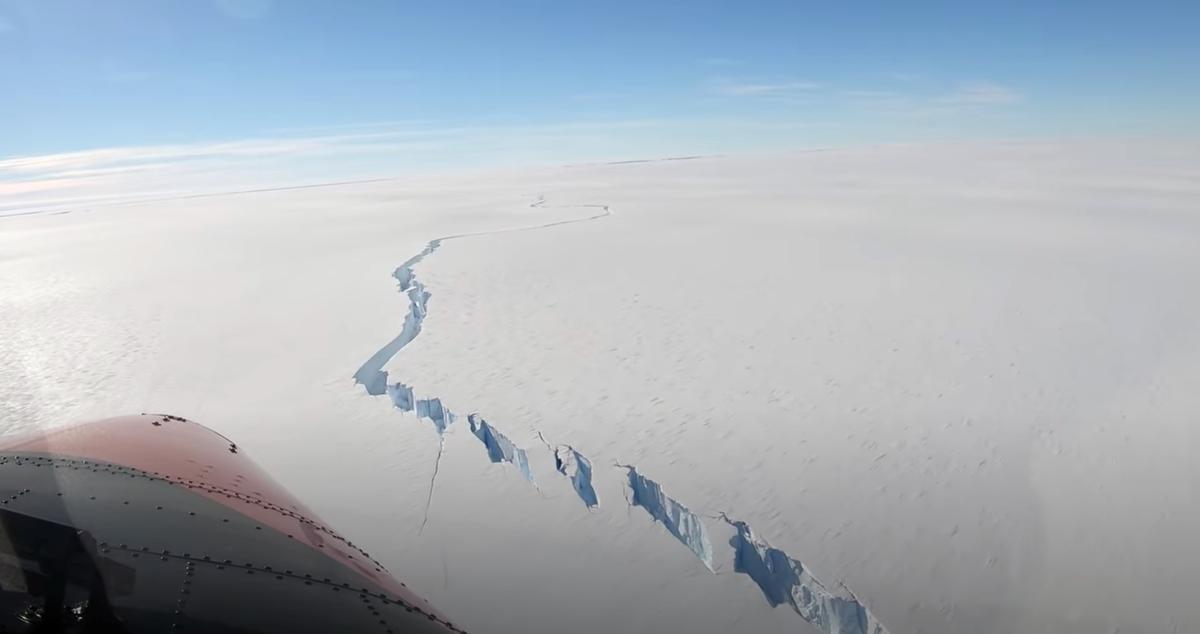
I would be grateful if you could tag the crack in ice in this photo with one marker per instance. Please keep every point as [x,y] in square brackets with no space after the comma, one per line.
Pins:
[781,578]
[578,469]
[374,378]
[499,447]
[437,463]
[677,518]
[786,580]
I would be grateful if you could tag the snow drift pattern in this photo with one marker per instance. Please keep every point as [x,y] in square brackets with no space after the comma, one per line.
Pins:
[786,580]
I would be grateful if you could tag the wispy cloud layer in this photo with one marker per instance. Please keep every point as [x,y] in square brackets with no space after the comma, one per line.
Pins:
[338,153]
[959,99]
[905,94]
[751,88]
[391,148]
[981,93]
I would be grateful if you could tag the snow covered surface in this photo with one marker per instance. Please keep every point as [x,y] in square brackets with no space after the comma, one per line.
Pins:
[942,389]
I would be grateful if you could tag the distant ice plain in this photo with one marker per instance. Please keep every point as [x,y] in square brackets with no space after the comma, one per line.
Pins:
[959,378]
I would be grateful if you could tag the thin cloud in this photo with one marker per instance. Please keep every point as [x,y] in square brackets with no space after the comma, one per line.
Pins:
[413,124]
[981,94]
[871,94]
[965,97]
[247,148]
[591,97]
[753,89]
[129,172]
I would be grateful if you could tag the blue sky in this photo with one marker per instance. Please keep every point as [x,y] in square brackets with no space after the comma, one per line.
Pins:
[400,82]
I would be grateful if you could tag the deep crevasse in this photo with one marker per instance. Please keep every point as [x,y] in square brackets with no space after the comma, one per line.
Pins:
[685,525]
[786,580]
[371,374]
[499,447]
[578,468]
[781,578]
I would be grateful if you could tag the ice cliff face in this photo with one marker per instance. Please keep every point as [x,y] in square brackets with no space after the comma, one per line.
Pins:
[679,521]
[578,468]
[783,580]
[401,396]
[432,409]
[499,447]
[786,580]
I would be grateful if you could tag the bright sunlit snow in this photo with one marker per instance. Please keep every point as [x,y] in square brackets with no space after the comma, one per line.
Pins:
[934,389]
